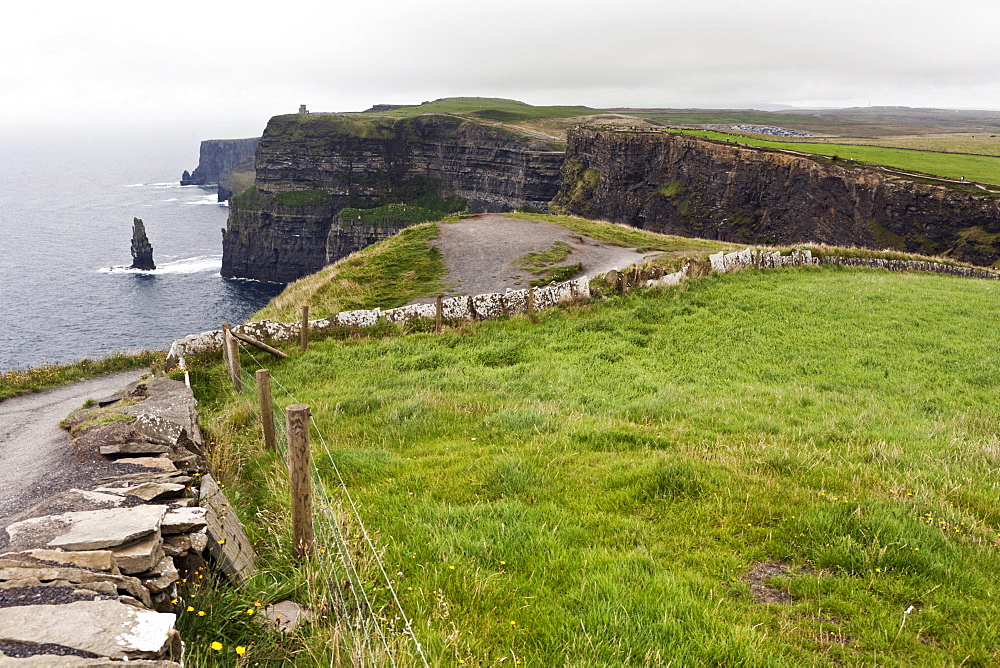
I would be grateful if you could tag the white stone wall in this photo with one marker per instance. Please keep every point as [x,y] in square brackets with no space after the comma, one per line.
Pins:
[479,307]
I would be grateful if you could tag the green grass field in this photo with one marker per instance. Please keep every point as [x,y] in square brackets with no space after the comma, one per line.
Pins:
[984,169]
[601,488]
[498,109]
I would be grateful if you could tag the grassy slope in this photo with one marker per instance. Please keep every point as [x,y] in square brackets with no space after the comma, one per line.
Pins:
[387,274]
[405,267]
[590,490]
[985,169]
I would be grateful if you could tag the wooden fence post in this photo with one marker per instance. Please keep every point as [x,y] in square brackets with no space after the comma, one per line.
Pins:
[266,410]
[235,372]
[439,313]
[304,330]
[531,303]
[300,478]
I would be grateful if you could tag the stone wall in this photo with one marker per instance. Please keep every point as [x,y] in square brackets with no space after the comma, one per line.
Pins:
[761,259]
[91,574]
[478,307]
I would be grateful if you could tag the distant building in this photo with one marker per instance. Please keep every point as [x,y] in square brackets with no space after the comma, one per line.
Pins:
[302,109]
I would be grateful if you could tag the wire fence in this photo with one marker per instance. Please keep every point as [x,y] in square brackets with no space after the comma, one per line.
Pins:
[372,632]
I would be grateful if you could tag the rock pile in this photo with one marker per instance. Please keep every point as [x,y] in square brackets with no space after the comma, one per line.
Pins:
[90,577]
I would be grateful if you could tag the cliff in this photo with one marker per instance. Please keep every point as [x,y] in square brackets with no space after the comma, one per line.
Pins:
[218,159]
[684,185]
[309,167]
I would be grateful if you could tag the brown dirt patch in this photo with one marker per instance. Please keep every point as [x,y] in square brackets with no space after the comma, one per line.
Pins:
[479,252]
[758,577]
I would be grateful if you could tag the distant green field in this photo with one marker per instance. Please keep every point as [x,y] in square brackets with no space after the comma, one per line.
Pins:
[984,169]
[492,108]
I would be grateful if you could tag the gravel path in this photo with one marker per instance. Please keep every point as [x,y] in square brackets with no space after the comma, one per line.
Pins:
[36,457]
[479,250]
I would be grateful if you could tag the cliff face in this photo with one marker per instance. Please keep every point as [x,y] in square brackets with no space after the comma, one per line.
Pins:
[217,159]
[309,167]
[684,185]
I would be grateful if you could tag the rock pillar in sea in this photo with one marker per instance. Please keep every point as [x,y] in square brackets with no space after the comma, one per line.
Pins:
[142,251]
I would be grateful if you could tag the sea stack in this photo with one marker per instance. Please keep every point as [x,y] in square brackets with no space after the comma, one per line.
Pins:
[142,251]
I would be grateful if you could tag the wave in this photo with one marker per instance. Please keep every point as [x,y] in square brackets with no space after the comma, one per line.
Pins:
[199,264]
[172,199]
[205,199]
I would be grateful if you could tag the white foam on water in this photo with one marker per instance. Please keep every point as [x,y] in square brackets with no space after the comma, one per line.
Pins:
[172,199]
[205,199]
[192,265]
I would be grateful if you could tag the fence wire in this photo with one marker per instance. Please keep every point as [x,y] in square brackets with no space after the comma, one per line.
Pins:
[341,562]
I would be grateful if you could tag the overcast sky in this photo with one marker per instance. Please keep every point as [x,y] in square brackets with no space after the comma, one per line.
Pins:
[242,62]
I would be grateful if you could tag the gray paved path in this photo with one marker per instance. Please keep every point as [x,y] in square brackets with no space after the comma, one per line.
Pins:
[36,457]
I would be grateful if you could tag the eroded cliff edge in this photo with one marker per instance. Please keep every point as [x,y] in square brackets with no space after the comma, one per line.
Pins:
[228,163]
[684,185]
[309,167]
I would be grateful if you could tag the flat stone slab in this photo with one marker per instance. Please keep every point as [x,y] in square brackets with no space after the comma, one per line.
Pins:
[161,577]
[86,530]
[105,628]
[227,542]
[76,500]
[50,660]
[286,615]
[20,574]
[98,560]
[140,556]
[161,463]
[148,491]
[133,448]
[184,520]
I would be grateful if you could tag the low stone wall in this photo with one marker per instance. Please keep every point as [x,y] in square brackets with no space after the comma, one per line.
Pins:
[464,307]
[913,265]
[759,259]
[90,577]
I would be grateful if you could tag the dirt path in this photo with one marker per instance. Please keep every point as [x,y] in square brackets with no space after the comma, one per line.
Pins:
[36,458]
[479,250]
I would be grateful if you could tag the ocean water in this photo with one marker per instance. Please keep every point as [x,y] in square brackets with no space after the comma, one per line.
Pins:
[67,200]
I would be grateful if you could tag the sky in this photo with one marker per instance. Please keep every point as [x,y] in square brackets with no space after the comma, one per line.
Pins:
[235,64]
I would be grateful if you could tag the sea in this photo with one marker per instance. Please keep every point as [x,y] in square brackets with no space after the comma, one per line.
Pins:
[67,200]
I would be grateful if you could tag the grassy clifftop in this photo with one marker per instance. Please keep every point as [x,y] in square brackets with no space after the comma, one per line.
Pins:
[791,467]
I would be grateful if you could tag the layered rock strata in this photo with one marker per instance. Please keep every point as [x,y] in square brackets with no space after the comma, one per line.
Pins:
[91,574]
[217,161]
[309,167]
[142,250]
[684,185]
